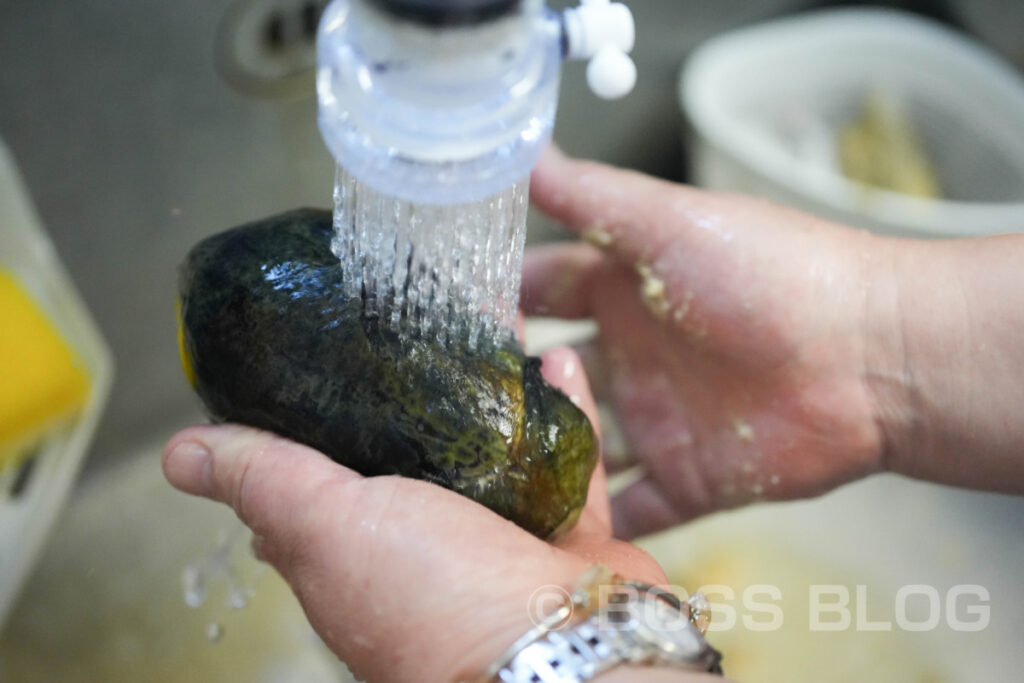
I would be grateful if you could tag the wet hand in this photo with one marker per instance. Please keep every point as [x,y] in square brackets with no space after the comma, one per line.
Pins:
[732,342]
[404,580]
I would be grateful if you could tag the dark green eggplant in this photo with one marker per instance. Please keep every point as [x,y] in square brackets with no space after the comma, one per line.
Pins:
[269,340]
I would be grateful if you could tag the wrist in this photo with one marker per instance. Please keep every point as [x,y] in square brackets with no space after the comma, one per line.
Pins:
[940,373]
[608,623]
[951,402]
[504,621]
[888,368]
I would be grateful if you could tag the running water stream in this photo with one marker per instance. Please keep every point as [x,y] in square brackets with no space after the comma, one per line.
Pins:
[450,273]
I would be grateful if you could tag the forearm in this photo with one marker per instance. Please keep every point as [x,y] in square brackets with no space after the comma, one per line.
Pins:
[951,385]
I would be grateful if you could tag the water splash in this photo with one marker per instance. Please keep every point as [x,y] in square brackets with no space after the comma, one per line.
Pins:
[221,565]
[441,272]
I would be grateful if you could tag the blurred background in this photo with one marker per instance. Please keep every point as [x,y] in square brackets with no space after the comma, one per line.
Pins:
[139,128]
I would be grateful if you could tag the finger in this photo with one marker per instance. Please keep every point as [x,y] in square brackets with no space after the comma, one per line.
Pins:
[594,365]
[562,368]
[641,509]
[624,212]
[558,280]
[615,450]
[268,480]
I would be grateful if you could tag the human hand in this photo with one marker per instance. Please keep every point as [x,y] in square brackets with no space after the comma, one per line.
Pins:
[404,580]
[733,337]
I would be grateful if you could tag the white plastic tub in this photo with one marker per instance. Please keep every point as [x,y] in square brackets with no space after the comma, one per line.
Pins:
[765,104]
[26,519]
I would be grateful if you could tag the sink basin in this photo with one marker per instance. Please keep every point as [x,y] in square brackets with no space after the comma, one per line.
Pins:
[867,543]
[106,600]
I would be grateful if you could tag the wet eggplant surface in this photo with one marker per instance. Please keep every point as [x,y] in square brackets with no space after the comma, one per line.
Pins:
[269,340]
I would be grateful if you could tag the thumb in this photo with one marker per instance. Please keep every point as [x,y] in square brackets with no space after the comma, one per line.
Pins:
[270,482]
[563,369]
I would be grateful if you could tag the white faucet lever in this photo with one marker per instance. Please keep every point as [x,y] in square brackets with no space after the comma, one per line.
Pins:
[603,32]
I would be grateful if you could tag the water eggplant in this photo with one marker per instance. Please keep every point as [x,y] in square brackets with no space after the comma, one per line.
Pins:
[268,339]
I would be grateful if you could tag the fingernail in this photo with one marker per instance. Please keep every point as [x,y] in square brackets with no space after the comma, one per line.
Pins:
[187,467]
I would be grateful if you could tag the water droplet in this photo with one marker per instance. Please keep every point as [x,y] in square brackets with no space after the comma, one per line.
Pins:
[239,596]
[224,566]
[214,632]
[194,583]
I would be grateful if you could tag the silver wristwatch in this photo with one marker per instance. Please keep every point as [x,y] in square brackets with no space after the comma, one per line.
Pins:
[608,624]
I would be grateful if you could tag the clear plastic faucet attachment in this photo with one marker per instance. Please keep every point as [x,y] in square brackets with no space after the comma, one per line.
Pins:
[452,105]
[437,114]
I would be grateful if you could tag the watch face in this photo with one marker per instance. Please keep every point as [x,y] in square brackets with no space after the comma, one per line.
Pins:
[664,624]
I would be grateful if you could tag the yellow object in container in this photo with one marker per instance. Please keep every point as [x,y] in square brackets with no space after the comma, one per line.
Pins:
[42,381]
[883,149]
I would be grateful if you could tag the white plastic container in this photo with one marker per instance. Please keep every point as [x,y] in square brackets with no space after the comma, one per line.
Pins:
[766,103]
[26,519]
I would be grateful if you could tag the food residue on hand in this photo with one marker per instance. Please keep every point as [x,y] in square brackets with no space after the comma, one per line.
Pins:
[684,308]
[598,236]
[652,291]
[744,430]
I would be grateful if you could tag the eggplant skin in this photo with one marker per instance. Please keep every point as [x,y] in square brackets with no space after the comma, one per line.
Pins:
[269,340]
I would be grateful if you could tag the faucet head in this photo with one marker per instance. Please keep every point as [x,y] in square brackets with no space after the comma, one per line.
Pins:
[449,12]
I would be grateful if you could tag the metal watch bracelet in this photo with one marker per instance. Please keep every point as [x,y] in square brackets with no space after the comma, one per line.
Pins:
[609,622]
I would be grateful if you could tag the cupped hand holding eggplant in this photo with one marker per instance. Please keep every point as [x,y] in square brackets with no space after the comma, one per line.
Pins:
[404,580]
